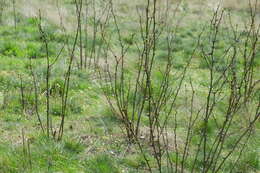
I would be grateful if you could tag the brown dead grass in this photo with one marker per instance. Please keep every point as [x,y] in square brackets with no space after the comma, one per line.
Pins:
[49,10]
[238,4]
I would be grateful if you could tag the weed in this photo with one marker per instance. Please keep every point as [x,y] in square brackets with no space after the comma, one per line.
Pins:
[101,163]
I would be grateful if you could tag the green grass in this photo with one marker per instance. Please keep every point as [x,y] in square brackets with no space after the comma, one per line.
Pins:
[94,141]
[54,157]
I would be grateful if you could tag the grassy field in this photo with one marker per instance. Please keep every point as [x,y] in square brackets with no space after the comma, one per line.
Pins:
[95,139]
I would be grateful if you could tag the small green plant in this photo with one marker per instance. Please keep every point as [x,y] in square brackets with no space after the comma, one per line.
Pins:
[101,163]
[33,50]
[75,105]
[55,109]
[73,146]
[56,88]
[135,161]
[10,48]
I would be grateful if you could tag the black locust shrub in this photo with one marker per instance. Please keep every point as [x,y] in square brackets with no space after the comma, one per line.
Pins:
[134,94]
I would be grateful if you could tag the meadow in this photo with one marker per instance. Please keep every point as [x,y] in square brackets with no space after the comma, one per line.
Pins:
[117,86]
